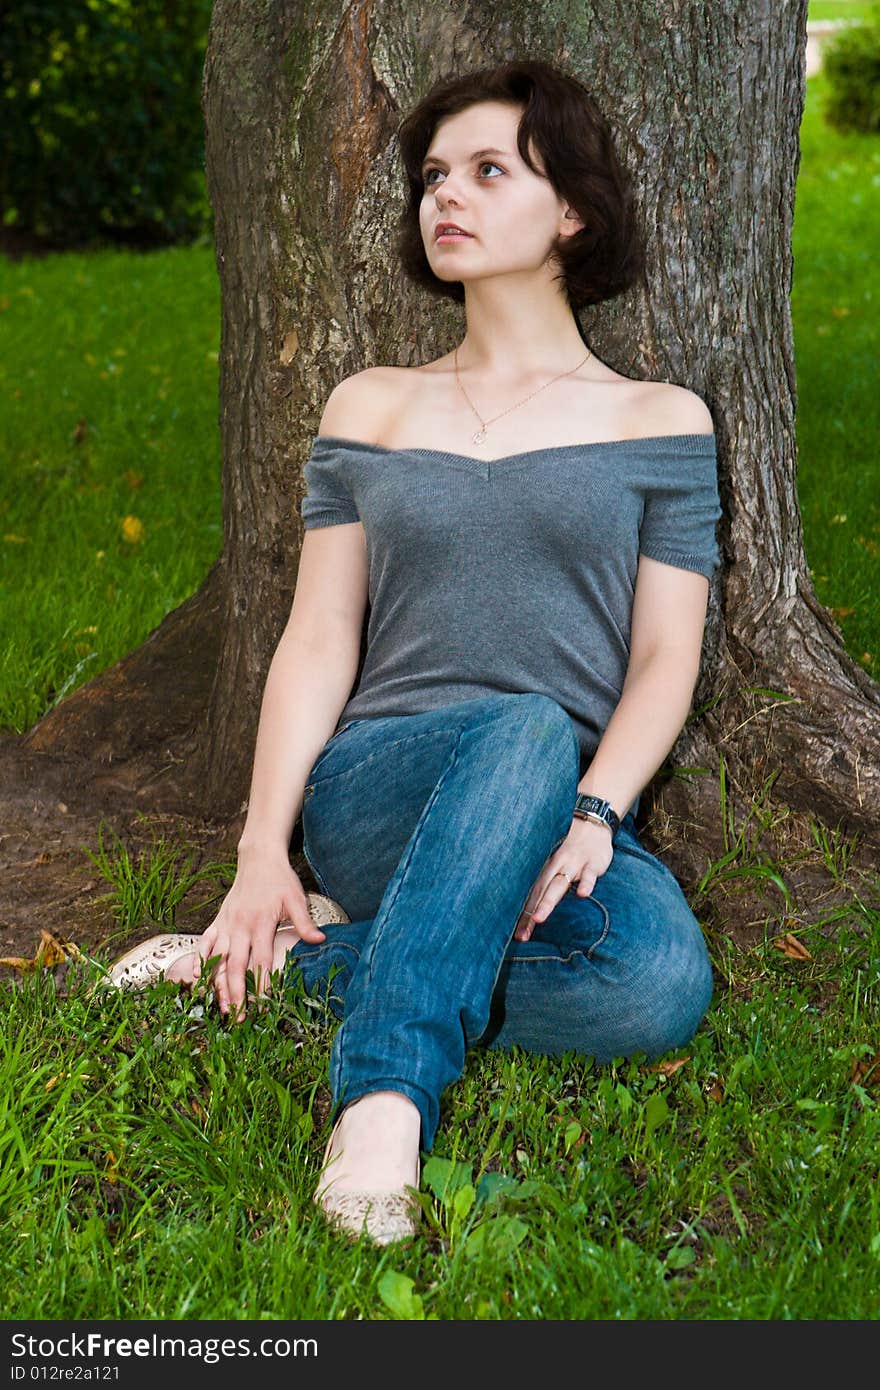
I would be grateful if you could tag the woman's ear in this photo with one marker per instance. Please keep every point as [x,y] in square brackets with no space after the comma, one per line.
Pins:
[570,216]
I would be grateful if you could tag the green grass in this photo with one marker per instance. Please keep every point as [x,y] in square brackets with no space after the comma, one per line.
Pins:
[835,299]
[147,887]
[860,10]
[108,383]
[157,1163]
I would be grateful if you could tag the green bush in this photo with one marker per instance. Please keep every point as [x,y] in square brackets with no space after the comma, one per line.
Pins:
[851,61]
[103,137]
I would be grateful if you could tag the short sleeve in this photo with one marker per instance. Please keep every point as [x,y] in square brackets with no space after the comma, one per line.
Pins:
[328,500]
[682,507]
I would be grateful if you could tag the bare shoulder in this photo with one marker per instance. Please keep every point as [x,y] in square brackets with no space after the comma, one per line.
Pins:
[360,404]
[675,409]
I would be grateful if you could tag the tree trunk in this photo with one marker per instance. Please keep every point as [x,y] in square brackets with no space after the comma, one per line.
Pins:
[301,108]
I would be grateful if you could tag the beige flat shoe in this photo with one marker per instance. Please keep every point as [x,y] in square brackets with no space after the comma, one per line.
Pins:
[383,1217]
[145,964]
[323,911]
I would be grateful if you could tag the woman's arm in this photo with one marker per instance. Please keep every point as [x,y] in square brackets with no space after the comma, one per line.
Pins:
[669,614]
[309,680]
[666,636]
[315,664]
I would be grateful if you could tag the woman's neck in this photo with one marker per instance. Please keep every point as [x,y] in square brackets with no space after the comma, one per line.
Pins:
[516,336]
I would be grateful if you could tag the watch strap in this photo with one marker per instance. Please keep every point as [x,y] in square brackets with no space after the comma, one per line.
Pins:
[594,808]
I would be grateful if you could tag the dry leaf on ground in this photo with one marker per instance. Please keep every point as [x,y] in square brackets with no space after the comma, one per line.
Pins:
[866,1071]
[49,953]
[671,1067]
[791,947]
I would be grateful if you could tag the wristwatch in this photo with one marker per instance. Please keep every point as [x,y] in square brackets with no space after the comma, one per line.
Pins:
[594,808]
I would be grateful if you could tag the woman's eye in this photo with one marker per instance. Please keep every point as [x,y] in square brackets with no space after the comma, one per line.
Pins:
[487,164]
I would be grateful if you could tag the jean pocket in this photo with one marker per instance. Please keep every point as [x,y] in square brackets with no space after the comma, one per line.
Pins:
[328,748]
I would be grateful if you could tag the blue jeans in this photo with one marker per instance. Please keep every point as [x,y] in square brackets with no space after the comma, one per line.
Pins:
[430,830]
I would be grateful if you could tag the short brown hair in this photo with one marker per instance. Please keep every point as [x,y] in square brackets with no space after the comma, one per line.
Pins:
[573,138]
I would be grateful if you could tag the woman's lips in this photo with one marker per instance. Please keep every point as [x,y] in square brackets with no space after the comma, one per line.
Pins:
[453,236]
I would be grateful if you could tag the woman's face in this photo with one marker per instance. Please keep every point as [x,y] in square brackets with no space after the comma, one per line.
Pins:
[473,176]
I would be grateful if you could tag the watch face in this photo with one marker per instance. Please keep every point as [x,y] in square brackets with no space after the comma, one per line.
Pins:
[595,806]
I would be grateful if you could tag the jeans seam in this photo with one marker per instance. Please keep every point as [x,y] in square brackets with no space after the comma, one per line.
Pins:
[542,960]
[317,877]
[325,946]
[588,955]
[404,738]
[408,738]
[605,930]
[423,820]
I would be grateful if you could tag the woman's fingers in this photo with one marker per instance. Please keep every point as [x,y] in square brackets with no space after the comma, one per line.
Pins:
[305,929]
[229,957]
[556,889]
[230,972]
[549,890]
[592,850]
[234,1001]
[553,889]
[238,960]
[242,938]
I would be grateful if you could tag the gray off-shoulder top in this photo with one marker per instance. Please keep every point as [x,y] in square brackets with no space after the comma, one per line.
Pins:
[515,574]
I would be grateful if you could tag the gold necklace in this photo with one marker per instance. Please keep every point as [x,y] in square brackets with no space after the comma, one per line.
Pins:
[484,424]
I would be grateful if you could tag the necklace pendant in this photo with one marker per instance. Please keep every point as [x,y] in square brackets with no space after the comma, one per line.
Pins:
[479,436]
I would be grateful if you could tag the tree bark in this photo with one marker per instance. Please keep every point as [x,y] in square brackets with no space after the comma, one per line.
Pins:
[301,106]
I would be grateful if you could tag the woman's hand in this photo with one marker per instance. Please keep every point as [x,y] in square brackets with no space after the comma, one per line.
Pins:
[583,856]
[266,892]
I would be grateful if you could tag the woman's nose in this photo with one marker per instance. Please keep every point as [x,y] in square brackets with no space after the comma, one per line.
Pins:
[446,192]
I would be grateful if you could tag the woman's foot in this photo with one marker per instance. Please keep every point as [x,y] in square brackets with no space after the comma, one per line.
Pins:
[371,1160]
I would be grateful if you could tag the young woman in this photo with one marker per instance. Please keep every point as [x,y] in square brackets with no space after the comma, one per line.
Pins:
[534,533]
